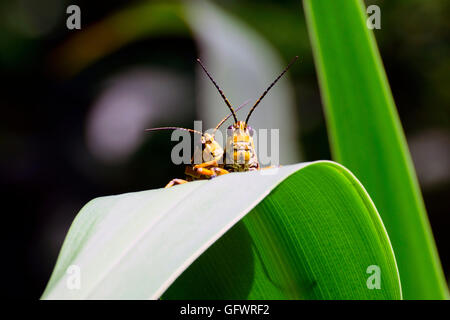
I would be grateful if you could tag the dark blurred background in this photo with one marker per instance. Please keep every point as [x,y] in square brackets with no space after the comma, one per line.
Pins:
[66,137]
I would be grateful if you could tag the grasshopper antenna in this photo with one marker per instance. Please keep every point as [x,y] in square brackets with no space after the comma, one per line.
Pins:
[175,128]
[270,87]
[220,90]
[228,116]
[198,132]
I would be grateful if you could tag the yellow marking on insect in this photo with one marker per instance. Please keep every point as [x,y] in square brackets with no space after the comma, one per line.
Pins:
[240,154]
[241,125]
[241,138]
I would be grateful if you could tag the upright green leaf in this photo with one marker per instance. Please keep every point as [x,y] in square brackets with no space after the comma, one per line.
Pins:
[366,136]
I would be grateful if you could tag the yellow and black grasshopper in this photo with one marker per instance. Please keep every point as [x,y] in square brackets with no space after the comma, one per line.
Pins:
[240,153]
[212,155]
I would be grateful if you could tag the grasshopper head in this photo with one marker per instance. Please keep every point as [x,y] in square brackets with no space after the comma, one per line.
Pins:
[207,138]
[239,130]
[211,148]
[240,147]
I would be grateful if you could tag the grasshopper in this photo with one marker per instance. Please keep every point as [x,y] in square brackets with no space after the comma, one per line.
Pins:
[240,153]
[212,155]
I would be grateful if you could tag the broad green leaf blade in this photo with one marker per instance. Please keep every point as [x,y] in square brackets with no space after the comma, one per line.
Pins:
[366,136]
[315,235]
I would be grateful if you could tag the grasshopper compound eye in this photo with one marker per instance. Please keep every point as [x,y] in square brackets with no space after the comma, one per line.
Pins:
[250,131]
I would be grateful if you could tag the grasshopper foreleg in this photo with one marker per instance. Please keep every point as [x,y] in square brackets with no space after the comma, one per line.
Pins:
[175,182]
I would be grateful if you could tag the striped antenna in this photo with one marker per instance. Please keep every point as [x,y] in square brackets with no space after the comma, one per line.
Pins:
[270,87]
[198,132]
[175,128]
[228,116]
[220,91]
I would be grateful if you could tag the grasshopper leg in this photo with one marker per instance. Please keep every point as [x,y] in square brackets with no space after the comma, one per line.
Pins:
[198,174]
[219,171]
[205,172]
[210,169]
[175,182]
[212,163]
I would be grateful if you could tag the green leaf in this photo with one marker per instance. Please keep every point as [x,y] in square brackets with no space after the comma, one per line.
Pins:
[312,233]
[366,136]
